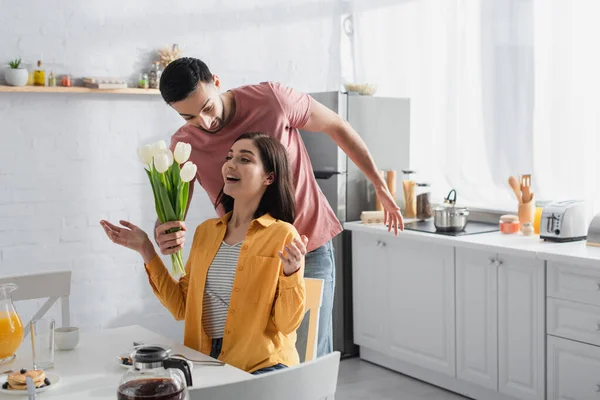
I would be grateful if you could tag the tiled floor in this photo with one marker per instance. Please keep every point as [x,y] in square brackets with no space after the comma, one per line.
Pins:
[360,380]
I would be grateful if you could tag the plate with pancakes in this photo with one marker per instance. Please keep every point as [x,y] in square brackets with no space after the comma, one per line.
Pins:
[15,383]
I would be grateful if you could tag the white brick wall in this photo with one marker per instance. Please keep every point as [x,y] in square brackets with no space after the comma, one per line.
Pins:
[66,161]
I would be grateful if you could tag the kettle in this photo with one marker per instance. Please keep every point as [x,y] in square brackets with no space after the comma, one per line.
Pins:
[155,376]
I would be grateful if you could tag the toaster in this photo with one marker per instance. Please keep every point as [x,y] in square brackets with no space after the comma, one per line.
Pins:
[564,221]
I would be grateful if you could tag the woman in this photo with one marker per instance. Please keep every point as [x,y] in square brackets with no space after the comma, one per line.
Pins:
[243,294]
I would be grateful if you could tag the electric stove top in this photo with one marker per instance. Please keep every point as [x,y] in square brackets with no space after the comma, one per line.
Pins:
[472,228]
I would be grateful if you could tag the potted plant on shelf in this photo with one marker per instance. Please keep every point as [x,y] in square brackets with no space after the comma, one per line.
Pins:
[16,74]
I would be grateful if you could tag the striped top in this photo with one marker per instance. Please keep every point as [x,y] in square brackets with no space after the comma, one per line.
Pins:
[217,293]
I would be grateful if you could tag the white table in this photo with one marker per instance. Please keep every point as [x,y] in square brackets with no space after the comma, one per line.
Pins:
[90,371]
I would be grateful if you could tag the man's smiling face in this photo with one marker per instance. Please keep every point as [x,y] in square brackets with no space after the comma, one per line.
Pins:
[203,108]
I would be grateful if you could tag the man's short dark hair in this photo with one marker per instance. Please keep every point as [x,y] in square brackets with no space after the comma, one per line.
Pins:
[181,78]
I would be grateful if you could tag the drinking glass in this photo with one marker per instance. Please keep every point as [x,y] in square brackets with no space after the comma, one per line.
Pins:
[42,343]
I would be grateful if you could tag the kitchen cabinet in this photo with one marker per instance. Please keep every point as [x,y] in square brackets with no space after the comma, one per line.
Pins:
[420,291]
[477,317]
[574,283]
[500,322]
[521,327]
[403,297]
[573,370]
[369,295]
[468,319]
[573,319]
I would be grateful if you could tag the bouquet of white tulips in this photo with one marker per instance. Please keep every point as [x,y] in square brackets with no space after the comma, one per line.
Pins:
[170,184]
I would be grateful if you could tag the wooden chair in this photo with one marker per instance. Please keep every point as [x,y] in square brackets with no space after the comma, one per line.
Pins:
[51,285]
[314,298]
[313,380]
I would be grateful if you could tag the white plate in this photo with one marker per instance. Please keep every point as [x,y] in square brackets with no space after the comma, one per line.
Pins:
[120,363]
[54,379]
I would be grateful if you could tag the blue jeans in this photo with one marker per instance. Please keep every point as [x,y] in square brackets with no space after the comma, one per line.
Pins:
[320,264]
[215,350]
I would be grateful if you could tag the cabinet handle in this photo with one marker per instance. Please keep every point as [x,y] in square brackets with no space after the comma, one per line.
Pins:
[495,262]
[597,326]
[597,286]
[380,243]
[597,388]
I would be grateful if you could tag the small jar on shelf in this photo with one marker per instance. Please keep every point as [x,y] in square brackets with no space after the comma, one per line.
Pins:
[154,75]
[143,81]
[66,81]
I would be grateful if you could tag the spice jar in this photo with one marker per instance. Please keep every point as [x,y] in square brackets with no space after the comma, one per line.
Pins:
[143,81]
[423,196]
[527,229]
[154,75]
[66,81]
[509,224]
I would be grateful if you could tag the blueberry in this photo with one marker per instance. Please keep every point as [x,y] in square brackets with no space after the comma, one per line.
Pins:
[5,385]
[47,382]
[23,371]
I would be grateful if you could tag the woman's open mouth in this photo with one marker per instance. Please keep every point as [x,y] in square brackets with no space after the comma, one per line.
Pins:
[231,179]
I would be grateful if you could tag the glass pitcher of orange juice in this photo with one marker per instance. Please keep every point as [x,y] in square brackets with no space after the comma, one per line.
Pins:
[11,328]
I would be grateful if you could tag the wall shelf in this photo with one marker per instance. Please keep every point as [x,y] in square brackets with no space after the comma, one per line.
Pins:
[61,89]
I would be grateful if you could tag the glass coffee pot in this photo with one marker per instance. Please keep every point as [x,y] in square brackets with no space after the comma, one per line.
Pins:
[155,376]
[11,327]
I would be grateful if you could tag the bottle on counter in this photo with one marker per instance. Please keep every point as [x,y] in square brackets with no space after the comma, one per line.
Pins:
[39,75]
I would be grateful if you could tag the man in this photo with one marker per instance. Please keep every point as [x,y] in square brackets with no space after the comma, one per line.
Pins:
[215,120]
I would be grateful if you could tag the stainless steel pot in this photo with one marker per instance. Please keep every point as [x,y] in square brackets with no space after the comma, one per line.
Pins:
[448,217]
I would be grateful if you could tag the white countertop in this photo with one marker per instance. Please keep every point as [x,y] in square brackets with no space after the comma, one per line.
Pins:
[524,246]
[90,371]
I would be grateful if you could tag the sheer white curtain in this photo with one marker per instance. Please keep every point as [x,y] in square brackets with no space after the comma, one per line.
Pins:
[566,142]
[467,66]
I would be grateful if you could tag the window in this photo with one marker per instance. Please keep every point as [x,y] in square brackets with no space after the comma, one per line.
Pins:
[497,88]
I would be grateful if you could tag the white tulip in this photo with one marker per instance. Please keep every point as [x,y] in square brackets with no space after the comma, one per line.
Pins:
[158,147]
[182,152]
[188,172]
[145,154]
[161,162]
[169,154]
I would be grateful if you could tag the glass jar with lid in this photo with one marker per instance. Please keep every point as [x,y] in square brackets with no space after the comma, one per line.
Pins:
[154,75]
[423,199]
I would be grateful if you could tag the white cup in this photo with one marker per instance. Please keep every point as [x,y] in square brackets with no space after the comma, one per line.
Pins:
[66,338]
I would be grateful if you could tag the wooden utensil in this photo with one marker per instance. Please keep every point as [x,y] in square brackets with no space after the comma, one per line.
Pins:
[526,188]
[514,184]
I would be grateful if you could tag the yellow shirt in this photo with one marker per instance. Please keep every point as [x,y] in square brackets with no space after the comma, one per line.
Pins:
[266,307]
